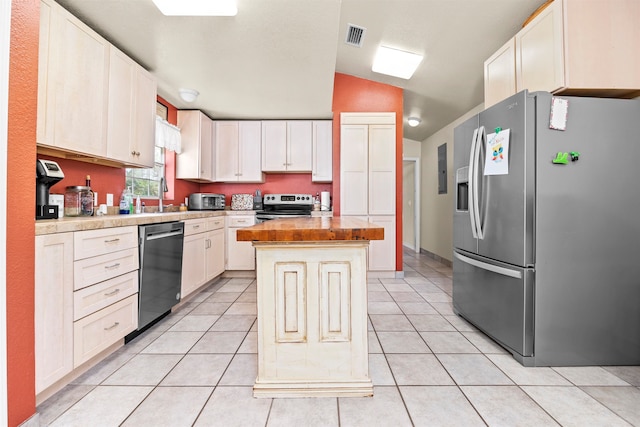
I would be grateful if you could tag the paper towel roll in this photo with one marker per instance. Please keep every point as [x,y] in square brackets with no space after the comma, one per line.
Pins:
[325,201]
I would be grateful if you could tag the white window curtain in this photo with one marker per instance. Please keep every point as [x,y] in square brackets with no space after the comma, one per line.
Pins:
[168,135]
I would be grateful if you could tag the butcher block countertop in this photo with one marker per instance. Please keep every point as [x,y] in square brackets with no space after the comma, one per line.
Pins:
[311,230]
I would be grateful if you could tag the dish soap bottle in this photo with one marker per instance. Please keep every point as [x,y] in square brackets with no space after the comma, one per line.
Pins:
[124,203]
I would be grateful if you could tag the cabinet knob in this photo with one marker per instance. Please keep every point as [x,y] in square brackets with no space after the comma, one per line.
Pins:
[133,153]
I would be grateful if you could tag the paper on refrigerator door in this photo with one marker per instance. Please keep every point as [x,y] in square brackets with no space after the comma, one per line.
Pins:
[497,157]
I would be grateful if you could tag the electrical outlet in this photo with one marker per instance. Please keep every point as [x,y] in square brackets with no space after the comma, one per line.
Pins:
[109,199]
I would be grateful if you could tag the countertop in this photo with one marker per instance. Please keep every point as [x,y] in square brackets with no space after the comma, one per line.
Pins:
[67,224]
[311,230]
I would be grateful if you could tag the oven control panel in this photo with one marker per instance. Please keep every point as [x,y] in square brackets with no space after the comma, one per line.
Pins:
[288,199]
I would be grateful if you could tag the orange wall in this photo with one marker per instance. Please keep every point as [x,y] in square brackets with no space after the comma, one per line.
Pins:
[353,94]
[20,257]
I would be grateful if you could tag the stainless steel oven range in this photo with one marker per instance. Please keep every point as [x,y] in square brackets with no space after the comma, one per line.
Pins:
[285,206]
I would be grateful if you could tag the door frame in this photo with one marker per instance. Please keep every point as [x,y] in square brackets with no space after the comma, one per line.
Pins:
[416,199]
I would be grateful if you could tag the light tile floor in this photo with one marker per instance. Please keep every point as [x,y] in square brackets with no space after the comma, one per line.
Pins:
[429,367]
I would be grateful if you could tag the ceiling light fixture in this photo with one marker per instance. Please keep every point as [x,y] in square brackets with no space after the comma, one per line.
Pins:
[394,62]
[197,7]
[188,95]
[413,121]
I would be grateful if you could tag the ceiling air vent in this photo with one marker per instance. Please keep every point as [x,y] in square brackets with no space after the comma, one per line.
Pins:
[355,35]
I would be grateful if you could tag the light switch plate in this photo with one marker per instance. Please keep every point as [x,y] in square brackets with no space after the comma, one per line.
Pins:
[109,199]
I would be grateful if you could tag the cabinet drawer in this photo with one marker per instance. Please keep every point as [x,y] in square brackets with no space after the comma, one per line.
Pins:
[99,242]
[241,221]
[93,298]
[100,330]
[88,271]
[215,223]
[194,226]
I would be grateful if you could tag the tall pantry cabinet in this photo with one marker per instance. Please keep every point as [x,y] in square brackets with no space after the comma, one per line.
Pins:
[368,179]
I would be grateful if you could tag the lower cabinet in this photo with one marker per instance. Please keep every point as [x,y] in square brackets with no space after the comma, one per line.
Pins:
[203,253]
[240,255]
[86,298]
[53,308]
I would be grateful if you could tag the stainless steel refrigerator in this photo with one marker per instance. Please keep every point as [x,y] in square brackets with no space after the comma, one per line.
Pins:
[547,238]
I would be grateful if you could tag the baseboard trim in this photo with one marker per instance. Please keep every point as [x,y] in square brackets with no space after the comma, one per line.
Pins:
[436,257]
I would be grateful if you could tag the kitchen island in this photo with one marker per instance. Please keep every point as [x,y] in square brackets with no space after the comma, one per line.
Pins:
[312,306]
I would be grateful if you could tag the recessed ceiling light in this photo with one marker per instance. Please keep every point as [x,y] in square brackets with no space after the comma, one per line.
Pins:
[394,62]
[413,121]
[197,7]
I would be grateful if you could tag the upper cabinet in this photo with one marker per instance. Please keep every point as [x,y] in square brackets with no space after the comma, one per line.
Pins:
[72,83]
[195,162]
[287,146]
[94,102]
[132,111]
[500,74]
[237,151]
[572,47]
[322,151]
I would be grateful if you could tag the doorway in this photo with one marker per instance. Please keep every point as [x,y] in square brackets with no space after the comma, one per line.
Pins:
[411,203]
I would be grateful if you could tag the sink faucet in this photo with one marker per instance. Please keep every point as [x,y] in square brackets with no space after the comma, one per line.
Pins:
[161,194]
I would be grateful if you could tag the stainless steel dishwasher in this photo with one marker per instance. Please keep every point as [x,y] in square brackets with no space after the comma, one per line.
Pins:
[160,272]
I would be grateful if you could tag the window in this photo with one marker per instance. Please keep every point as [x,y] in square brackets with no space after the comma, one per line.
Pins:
[145,182]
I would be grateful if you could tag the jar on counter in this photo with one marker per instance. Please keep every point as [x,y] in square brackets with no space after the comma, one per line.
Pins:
[78,201]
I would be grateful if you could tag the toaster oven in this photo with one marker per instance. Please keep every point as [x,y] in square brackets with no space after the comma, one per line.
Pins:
[206,202]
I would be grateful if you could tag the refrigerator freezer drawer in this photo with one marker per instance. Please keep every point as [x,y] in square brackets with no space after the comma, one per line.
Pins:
[497,298]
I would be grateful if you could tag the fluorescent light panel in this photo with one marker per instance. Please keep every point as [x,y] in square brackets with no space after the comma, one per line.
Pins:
[197,7]
[394,62]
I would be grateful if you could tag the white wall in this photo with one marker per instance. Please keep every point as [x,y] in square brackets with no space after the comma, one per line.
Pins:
[410,148]
[436,222]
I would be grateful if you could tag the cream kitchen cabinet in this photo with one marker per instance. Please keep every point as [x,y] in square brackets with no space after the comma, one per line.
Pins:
[53,308]
[195,162]
[576,47]
[131,112]
[203,254]
[239,255]
[500,74]
[238,151]
[322,151]
[105,289]
[72,84]
[287,146]
[368,179]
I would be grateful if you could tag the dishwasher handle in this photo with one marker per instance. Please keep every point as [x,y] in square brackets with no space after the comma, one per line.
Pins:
[163,234]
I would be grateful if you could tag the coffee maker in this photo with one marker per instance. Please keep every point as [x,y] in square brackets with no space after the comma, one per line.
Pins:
[47,174]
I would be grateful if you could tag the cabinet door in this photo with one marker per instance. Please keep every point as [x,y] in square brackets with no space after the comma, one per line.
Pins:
[274,146]
[144,119]
[322,153]
[500,74]
[226,157]
[299,146]
[120,123]
[81,63]
[53,308]
[207,168]
[382,253]
[215,253]
[193,263]
[250,152]
[382,169]
[354,160]
[539,52]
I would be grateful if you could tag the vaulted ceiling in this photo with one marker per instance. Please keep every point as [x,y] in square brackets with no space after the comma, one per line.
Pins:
[276,59]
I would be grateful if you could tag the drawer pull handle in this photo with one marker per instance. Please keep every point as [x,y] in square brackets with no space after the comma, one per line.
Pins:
[111,267]
[117,239]
[112,293]
[196,226]
[115,325]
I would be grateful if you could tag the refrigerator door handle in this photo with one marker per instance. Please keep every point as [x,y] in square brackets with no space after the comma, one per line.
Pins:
[472,215]
[480,140]
[489,267]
